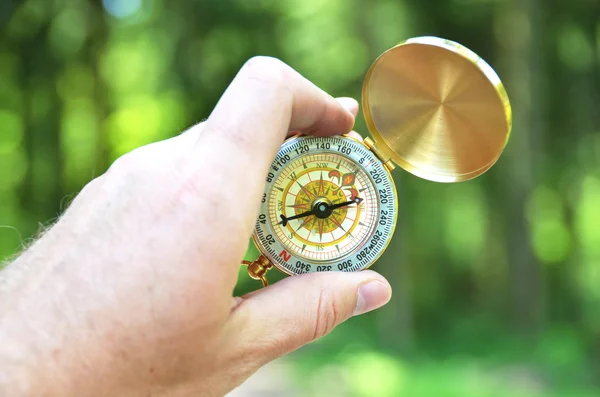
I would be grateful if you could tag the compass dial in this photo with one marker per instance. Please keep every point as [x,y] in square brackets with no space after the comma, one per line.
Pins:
[329,205]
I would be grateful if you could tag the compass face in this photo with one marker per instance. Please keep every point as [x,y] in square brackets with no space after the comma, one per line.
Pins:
[329,205]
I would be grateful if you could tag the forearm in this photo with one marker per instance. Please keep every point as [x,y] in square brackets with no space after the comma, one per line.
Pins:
[47,348]
[33,326]
[63,330]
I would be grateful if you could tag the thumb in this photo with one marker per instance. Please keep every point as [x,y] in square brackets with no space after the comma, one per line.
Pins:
[279,319]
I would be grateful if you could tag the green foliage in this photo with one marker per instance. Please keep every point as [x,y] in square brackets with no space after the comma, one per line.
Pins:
[496,281]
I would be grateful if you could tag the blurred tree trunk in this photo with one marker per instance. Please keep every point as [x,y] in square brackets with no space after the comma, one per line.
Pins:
[95,48]
[393,321]
[521,30]
[577,114]
[41,193]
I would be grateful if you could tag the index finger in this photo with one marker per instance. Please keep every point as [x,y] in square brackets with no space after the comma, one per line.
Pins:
[266,99]
[241,137]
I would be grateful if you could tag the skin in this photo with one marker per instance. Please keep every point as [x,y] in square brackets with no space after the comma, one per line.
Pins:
[130,293]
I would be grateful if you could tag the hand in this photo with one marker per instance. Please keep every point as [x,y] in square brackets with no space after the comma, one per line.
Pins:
[130,293]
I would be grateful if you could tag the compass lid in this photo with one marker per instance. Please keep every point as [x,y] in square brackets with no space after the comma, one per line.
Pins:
[436,109]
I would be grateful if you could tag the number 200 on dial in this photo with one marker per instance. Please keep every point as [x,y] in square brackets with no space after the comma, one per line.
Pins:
[329,205]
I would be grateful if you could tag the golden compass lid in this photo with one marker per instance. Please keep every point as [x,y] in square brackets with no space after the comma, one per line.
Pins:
[436,109]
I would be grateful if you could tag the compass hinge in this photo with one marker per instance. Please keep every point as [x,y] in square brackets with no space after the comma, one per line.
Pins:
[259,268]
[387,163]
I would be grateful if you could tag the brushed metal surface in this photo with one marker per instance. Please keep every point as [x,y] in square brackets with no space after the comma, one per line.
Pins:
[437,109]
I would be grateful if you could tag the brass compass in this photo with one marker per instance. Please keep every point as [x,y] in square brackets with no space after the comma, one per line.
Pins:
[432,106]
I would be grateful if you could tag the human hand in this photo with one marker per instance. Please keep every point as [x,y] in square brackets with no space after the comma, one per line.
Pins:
[131,292]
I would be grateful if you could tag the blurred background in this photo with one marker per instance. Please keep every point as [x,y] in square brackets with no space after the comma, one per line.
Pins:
[496,281]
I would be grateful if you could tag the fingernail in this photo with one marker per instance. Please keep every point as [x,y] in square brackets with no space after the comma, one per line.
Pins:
[372,295]
[350,104]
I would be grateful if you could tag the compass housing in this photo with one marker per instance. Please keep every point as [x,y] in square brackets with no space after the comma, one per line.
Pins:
[358,218]
[433,107]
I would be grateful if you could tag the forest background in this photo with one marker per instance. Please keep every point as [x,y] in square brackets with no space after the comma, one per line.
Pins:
[496,281]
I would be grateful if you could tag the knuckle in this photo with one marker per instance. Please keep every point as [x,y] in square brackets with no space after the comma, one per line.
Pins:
[142,161]
[267,70]
[121,172]
[92,186]
[91,189]
[124,165]
[327,314]
[141,167]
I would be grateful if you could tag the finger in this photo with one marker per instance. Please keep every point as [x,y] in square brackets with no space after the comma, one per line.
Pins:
[350,104]
[276,320]
[267,99]
[355,135]
[239,141]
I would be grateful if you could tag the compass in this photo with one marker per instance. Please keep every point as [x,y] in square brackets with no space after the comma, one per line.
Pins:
[433,107]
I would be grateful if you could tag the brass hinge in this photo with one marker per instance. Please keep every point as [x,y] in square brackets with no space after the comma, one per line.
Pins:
[259,268]
[387,163]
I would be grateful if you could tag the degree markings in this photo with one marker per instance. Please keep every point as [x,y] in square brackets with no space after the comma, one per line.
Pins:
[291,157]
